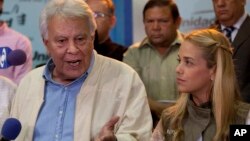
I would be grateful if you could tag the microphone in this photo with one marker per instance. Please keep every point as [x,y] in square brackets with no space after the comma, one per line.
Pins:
[16,57]
[11,129]
[11,58]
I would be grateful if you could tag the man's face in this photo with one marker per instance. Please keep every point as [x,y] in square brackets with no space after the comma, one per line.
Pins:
[160,26]
[104,19]
[70,45]
[228,12]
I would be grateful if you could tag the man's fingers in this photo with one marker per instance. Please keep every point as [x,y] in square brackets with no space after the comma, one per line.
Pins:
[107,131]
[111,123]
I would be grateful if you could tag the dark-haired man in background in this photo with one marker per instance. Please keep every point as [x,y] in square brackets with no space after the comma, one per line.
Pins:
[155,58]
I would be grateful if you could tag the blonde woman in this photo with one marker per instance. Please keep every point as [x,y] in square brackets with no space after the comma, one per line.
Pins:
[209,97]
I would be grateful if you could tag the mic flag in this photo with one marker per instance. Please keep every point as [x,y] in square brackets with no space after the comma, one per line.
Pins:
[11,58]
[3,57]
[11,129]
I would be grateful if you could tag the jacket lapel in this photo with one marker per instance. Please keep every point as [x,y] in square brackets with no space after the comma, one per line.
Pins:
[242,35]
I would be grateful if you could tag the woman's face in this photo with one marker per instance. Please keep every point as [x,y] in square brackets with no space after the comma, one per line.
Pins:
[193,75]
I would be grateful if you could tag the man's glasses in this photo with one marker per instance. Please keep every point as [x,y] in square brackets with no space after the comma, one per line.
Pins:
[100,15]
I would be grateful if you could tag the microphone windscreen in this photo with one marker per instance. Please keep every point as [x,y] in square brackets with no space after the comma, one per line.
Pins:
[16,57]
[11,129]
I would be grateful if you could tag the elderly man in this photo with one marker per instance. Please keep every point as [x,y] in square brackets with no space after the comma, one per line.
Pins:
[78,94]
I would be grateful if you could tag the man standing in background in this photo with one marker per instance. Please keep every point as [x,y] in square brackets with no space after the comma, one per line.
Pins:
[104,12]
[155,58]
[12,40]
[234,22]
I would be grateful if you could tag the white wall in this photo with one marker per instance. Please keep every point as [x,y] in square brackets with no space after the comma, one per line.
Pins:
[138,27]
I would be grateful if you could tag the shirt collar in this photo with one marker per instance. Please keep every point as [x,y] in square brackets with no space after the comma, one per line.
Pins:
[47,74]
[238,23]
[179,38]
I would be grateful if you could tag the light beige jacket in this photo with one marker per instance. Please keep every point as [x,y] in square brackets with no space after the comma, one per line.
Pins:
[111,88]
[7,91]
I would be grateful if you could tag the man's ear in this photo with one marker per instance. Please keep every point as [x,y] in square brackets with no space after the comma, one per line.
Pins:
[244,2]
[113,21]
[178,22]
[213,73]
[45,42]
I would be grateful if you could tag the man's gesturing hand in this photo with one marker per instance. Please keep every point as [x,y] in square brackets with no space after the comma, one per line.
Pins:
[107,131]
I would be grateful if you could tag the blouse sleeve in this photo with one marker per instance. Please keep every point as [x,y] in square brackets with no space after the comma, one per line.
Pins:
[158,133]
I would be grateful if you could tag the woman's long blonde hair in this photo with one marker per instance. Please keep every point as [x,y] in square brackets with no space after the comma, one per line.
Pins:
[217,51]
